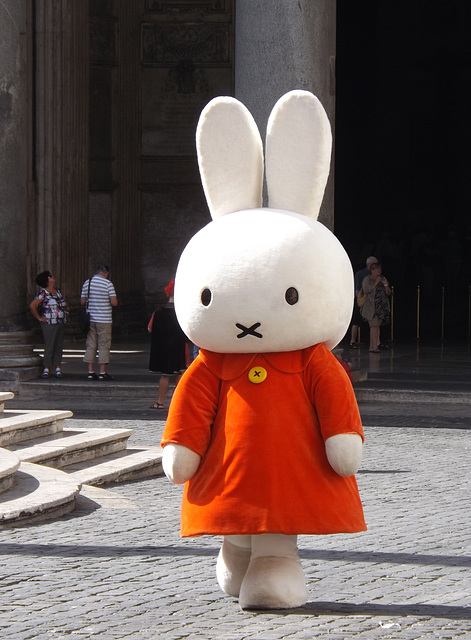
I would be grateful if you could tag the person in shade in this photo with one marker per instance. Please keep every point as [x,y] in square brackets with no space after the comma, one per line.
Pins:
[49,308]
[168,346]
[376,310]
[357,317]
[100,302]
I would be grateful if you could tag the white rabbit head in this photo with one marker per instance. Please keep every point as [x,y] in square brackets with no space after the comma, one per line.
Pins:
[259,279]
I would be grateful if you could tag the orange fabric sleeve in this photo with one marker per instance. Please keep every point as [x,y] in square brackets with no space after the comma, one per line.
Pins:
[333,396]
[193,409]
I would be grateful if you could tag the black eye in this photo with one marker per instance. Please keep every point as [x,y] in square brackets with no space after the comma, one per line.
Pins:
[291,295]
[206,297]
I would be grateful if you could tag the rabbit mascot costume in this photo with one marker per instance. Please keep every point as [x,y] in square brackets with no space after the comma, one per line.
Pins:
[263,428]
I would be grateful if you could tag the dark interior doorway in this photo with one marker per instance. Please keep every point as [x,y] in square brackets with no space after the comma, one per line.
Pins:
[403,153]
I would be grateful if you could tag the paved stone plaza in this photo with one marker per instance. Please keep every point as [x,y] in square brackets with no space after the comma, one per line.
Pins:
[121,571]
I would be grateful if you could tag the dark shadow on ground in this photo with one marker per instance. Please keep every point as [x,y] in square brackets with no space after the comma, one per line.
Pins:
[375,610]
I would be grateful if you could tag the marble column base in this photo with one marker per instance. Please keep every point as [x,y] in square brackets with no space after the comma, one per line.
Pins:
[18,362]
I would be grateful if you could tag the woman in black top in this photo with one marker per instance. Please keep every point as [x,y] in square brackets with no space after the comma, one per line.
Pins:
[168,346]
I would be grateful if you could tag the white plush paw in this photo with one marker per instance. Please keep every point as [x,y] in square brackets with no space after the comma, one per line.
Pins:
[179,463]
[344,453]
[273,583]
[231,567]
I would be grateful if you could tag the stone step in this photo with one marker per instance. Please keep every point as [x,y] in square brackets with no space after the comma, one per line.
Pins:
[13,377]
[18,361]
[78,386]
[9,463]
[32,488]
[23,425]
[4,397]
[72,446]
[15,337]
[131,464]
[18,349]
[38,493]
[425,396]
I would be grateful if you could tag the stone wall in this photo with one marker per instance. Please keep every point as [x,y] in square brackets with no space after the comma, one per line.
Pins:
[187,59]
[99,101]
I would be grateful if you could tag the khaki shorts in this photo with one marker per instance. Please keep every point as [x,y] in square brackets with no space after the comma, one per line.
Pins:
[98,338]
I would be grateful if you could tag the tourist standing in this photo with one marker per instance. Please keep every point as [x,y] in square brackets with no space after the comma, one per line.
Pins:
[49,308]
[101,299]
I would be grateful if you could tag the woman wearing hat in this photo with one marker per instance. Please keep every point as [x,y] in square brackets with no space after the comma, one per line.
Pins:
[49,308]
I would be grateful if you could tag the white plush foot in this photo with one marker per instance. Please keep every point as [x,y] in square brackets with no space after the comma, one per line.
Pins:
[273,583]
[231,567]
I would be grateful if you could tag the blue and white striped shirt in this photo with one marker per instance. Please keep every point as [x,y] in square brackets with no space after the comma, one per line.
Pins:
[99,304]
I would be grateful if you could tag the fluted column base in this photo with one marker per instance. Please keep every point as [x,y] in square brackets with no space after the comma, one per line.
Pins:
[18,362]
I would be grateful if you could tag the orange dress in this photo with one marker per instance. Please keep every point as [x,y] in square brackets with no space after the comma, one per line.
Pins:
[259,422]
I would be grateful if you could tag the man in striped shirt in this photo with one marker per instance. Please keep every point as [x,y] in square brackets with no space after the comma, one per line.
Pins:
[100,302]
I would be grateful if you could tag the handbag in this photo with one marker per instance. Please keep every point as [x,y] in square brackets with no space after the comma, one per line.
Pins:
[361,298]
[83,320]
[83,317]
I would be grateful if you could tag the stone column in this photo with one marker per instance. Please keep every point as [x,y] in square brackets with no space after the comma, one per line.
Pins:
[59,225]
[13,164]
[282,46]
[17,360]
[126,224]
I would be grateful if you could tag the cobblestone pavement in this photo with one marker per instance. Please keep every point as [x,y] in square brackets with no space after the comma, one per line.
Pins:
[124,573]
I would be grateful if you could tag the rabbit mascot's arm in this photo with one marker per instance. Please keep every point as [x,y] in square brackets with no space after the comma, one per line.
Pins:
[196,397]
[344,453]
[179,463]
[332,395]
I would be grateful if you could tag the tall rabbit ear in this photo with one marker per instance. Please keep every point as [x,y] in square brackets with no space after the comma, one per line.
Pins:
[298,149]
[230,157]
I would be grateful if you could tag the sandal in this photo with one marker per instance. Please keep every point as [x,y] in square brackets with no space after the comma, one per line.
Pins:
[375,351]
[156,405]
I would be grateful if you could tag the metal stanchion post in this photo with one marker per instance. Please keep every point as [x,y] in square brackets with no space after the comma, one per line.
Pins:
[392,314]
[418,312]
[443,314]
[469,313]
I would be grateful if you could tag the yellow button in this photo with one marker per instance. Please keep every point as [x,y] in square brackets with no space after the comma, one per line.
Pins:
[257,375]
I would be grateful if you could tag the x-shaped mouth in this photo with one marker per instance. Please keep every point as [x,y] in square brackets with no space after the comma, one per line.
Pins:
[250,331]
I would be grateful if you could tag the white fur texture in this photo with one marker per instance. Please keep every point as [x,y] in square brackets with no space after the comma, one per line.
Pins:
[275,577]
[263,570]
[248,260]
[298,150]
[231,567]
[230,157]
[273,583]
[179,463]
[344,452]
